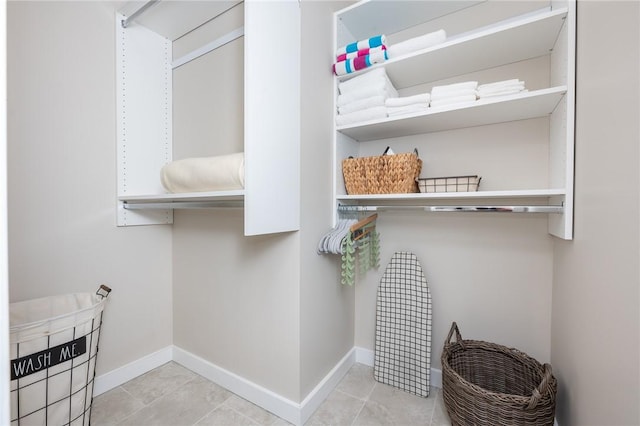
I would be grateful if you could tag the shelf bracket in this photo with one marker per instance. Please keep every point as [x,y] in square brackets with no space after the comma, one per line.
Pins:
[125,22]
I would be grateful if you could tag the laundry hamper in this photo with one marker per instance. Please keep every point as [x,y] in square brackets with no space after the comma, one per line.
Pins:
[53,349]
[485,384]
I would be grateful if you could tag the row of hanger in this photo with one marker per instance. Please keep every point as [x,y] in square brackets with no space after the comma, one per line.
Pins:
[333,241]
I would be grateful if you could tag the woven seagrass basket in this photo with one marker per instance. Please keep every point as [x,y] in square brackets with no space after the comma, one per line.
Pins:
[382,174]
[485,384]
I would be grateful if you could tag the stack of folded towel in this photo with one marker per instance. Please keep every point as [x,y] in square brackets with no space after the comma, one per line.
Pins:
[360,54]
[362,98]
[454,94]
[417,43]
[407,104]
[501,88]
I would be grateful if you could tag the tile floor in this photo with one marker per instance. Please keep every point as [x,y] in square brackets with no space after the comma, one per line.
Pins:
[174,396]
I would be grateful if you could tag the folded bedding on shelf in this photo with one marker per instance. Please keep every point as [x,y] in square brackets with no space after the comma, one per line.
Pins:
[407,109]
[501,88]
[379,88]
[422,98]
[417,43]
[374,113]
[453,100]
[370,78]
[219,173]
[455,89]
[359,63]
[361,104]
[369,43]
[361,52]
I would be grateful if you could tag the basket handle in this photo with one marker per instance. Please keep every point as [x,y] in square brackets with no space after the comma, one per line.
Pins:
[103,291]
[454,328]
[542,389]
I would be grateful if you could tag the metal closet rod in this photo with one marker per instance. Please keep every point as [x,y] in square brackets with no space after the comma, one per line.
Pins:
[138,12]
[465,209]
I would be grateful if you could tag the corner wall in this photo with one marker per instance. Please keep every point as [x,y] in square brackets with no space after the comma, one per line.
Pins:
[595,346]
[326,306]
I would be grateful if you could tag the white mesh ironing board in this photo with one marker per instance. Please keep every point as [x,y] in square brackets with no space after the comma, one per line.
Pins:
[403,326]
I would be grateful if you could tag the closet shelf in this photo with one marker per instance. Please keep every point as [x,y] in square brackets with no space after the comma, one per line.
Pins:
[434,197]
[363,18]
[184,200]
[513,40]
[532,104]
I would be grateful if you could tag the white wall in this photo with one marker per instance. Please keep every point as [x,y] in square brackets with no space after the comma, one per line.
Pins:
[492,275]
[62,179]
[595,346]
[4,243]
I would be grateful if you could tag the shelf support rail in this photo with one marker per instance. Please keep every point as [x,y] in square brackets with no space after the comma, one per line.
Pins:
[465,209]
[125,22]
[131,205]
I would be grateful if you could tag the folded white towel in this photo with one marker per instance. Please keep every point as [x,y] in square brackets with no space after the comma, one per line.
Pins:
[408,100]
[500,88]
[452,94]
[362,80]
[503,92]
[220,173]
[453,100]
[361,104]
[368,114]
[407,109]
[417,43]
[499,84]
[453,88]
[381,88]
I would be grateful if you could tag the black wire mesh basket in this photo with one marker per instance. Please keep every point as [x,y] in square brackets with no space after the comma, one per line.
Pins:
[53,350]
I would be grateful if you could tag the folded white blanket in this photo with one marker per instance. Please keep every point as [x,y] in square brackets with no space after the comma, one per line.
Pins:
[407,109]
[220,173]
[408,100]
[453,100]
[453,89]
[382,87]
[363,80]
[374,113]
[417,43]
[361,104]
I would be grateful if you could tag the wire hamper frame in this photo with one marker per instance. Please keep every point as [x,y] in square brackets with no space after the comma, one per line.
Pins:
[485,384]
[53,348]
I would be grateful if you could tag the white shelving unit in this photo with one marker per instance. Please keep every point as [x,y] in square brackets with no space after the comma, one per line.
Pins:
[546,31]
[145,34]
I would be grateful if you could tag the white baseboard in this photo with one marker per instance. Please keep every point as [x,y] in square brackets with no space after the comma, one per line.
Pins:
[291,411]
[311,403]
[119,376]
[366,357]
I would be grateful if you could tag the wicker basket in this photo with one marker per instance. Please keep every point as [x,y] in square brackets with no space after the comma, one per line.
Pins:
[382,174]
[488,384]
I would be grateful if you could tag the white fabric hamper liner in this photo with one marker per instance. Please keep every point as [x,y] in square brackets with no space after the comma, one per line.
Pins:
[53,350]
